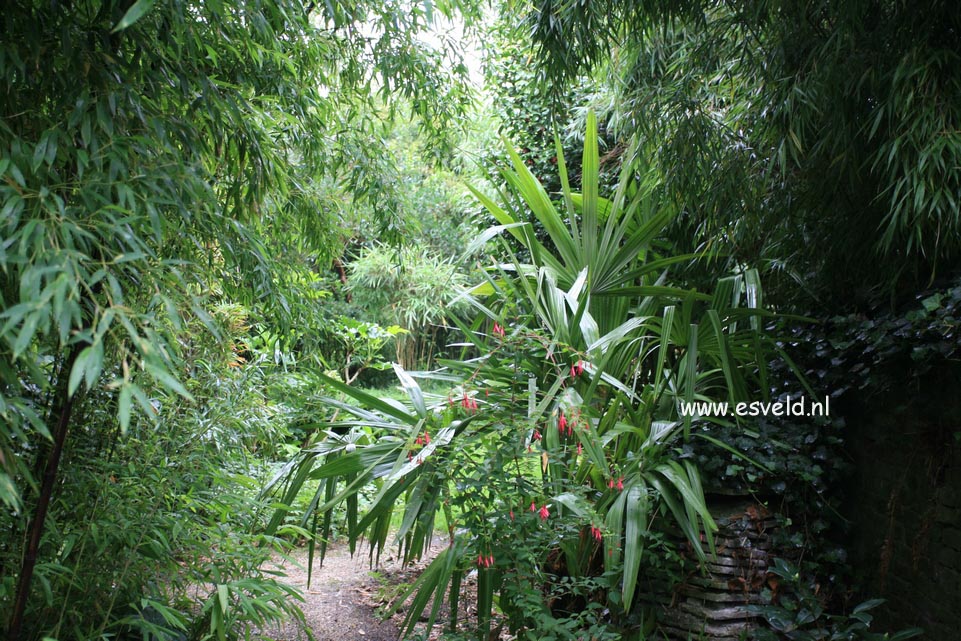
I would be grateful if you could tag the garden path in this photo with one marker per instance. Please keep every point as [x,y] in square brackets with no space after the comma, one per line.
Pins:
[341,603]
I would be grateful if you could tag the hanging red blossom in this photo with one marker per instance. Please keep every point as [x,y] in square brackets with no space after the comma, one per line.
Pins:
[577,369]
[469,403]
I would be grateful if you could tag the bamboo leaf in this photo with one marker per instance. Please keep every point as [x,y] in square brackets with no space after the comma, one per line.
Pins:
[138,10]
[123,407]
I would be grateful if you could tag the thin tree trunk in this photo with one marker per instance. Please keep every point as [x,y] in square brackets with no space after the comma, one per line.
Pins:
[339,266]
[35,530]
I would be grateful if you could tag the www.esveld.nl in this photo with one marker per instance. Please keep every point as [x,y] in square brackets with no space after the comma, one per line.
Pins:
[799,406]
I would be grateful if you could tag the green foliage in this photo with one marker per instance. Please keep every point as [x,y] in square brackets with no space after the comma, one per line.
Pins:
[816,135]
[362,345]
[145,527]
[553,455]
[527,113]
[882,361]
[796,613]
[124,195]
[161,165]
[410,287]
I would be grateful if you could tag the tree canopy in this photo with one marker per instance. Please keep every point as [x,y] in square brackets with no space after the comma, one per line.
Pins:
[821,133]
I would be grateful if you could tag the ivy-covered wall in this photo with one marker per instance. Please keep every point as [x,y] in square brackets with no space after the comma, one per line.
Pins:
[897,379]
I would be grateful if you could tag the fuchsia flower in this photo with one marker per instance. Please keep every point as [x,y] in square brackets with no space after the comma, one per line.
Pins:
[533,507]
[562,423]
[544,513]
[580,448]
[485,561]
[498,330]
[511,514]
[597,534]
[620,483]
[577,369]
[468,403]
[537,435]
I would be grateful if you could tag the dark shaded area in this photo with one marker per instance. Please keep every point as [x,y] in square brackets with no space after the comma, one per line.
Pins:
[905,502]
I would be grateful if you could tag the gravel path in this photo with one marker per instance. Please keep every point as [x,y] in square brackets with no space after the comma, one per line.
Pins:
[343,596]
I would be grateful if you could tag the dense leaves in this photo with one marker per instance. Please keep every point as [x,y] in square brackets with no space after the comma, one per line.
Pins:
[551,455]
[815,135]
[158,159]
[201,207]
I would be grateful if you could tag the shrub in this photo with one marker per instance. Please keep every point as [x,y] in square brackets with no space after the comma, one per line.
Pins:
[553,456]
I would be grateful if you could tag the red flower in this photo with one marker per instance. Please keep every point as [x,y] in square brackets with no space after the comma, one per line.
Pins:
[577,369]
[512,514]
[426,438]
[469,403]
[620,483]
[533,507]
[498,330]
[580,448]
[596,533]
[610,483]
[537,435]
[562,423]
[544,513]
